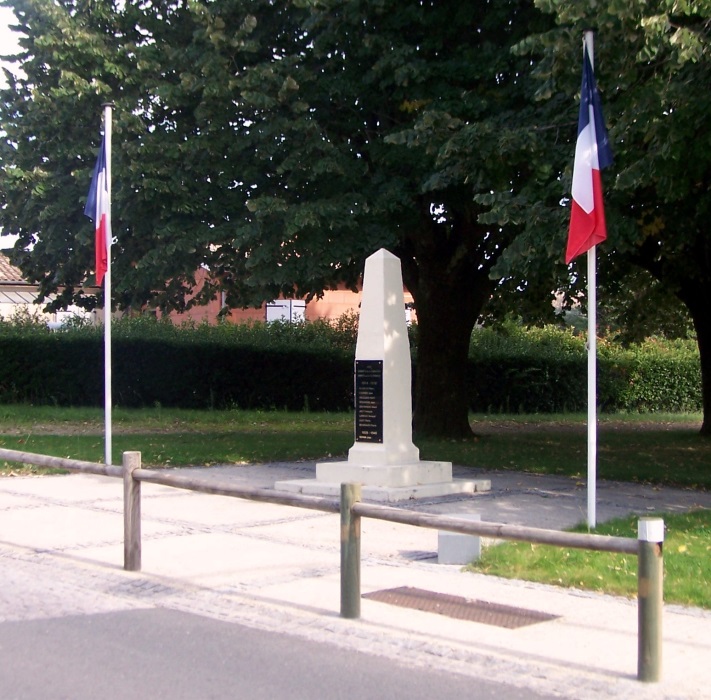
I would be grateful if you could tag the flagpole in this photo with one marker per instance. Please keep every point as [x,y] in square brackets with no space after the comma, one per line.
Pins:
[592,388]
[107,296]
[592,352]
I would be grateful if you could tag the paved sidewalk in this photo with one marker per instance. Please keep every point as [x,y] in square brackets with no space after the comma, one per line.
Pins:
[277,568]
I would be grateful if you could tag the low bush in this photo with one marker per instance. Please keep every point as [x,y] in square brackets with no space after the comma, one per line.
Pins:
[310,366]
[544,370]
[258,365]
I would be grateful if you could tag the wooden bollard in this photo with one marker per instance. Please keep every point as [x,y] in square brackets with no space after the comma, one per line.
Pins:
[650,598]
[350,552]
[131,512]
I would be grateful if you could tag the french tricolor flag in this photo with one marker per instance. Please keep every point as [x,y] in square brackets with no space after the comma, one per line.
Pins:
[592,154]
[97,208]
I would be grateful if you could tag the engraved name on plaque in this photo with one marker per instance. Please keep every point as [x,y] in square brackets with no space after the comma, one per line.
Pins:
[369,401]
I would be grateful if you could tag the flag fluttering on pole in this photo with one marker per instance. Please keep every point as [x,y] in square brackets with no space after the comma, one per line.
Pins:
[97,208]
[592,154]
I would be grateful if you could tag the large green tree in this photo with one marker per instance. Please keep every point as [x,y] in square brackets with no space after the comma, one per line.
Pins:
[74,57]
[279,144]
[653,66]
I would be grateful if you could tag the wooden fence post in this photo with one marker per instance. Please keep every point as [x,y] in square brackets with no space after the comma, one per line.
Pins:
[131,512]
[350,552]
[650,598]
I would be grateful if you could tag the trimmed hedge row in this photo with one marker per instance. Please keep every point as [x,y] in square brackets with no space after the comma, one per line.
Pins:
[544,370]
[66,371]
[310,366]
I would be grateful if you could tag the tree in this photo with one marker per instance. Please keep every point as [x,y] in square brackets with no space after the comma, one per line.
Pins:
[368,160]
[76,56]
[650,56]
[279,144]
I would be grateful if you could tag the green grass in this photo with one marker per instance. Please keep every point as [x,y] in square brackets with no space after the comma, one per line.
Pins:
[679,457]
[687,561]
[177,438]
[194,449]
[21,418]
[666,451]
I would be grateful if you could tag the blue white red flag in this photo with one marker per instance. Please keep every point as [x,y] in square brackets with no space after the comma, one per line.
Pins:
[592,154]
[97,208]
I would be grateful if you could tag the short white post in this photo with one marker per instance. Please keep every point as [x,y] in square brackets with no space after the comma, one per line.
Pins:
[456,547]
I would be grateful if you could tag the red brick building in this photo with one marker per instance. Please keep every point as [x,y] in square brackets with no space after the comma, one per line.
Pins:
[331,306]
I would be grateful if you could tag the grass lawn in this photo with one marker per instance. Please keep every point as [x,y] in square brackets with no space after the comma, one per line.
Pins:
[176,438]
[665,451]
[687,561]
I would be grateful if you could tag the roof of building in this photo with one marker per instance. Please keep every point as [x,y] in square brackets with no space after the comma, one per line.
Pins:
[9,274]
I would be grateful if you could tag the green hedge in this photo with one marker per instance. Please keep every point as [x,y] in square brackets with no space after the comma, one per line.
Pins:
[544,370]
[310,366]
[653,376]
[249,366]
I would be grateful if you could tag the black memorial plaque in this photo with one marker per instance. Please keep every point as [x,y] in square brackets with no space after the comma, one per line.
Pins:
[369,401]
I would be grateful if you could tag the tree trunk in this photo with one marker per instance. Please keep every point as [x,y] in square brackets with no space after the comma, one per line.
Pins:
[448,299]
[441,406]
[701,316]
[694,291]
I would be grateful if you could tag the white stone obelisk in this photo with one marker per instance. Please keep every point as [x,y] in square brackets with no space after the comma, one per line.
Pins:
[383,457]
[383,453]
[383,357]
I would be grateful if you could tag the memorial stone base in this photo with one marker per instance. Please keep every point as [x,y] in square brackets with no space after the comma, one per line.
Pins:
[386,484]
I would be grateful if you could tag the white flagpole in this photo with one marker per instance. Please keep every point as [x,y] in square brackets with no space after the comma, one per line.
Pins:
[107,295]
[592,388]
[592,355]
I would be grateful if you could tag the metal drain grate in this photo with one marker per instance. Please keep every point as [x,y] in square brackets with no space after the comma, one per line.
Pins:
[460,608]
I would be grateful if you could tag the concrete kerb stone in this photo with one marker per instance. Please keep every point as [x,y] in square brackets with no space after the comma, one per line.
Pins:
[456,548]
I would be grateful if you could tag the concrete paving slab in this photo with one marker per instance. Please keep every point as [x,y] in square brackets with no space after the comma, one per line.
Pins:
[56,527]
[227,558]
[12,500]
[91,488]
[275,567]
[209,510]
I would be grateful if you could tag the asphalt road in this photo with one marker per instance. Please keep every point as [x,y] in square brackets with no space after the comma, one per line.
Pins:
[162,654]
